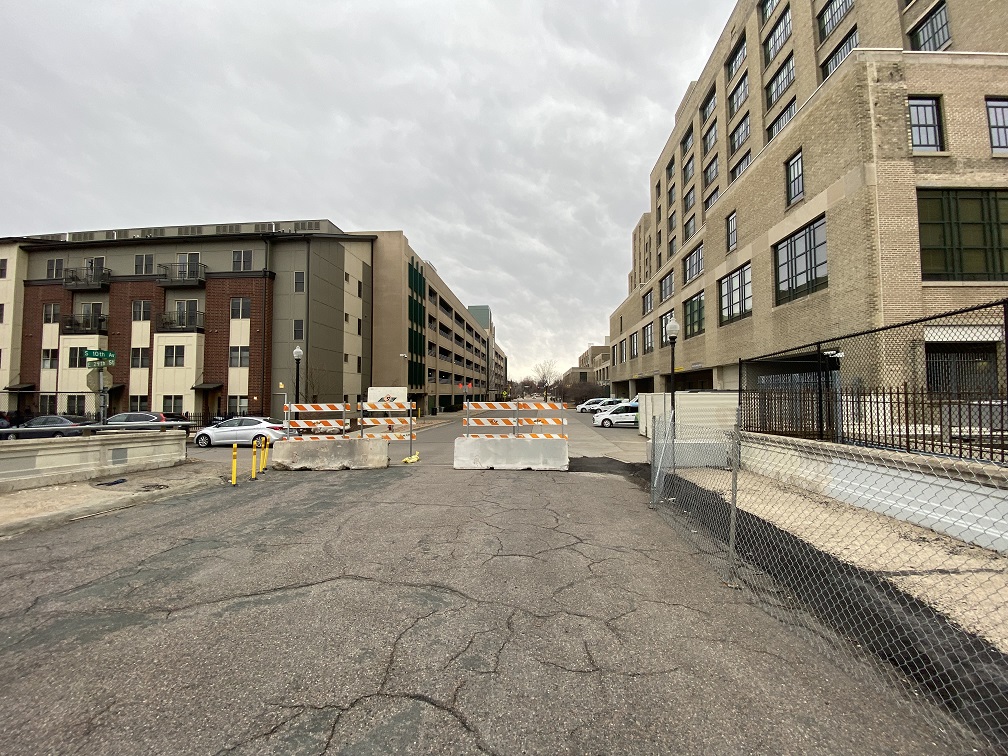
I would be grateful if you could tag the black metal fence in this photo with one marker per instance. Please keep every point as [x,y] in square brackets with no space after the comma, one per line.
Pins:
[936,385]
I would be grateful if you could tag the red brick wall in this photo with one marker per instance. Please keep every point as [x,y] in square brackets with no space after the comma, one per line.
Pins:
[31,331]
[121,296]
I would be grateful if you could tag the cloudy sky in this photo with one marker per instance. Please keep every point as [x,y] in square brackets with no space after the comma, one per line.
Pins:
[511,141]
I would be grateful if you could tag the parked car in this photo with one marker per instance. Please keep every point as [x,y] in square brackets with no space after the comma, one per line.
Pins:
[620,414]
[49,426]
[606,404]
[149,421]
[590,404]
[241,430]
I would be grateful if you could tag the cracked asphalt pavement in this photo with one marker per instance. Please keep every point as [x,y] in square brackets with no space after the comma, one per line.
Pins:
[413,609]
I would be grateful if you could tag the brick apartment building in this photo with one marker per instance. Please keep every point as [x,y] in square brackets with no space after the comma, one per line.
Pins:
[838,165]
[204,319]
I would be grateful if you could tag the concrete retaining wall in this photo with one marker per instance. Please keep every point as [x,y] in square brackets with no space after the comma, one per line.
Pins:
[49,461]
[330,454]
[511,454]
[959,499]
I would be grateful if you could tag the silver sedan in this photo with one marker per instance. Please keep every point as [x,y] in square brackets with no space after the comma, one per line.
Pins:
[241,430]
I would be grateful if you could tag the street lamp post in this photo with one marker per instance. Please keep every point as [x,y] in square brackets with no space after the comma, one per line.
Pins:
[298,354]
[672,331]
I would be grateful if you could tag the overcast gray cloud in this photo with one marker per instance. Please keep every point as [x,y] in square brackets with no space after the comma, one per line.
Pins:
[510,141]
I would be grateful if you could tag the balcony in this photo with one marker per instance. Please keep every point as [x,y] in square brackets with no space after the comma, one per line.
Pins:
[180,322]
[183,275]
[78,324]
[87,279]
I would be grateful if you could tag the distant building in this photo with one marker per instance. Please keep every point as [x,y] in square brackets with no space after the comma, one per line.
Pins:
[205,318]
[836,166]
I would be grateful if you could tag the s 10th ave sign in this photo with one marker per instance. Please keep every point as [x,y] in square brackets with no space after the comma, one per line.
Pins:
[100,354]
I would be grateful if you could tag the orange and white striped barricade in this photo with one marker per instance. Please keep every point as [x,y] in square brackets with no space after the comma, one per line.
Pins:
[390,421]
[530,443]
[327,428]
[516,423]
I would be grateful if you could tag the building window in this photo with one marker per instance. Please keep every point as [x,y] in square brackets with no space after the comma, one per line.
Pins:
[710,138]
[780,82]
[54,268]
[139,403]
[710,172]
[666,287]
[663,326]
[689,199]
[778,36]
[1,312]
[237,405]
[693,264]
[141,310]
[647,337]
[239,356]
[735,293]
[961,234]
[51,312]
[832,63]
[299,282]
[735,60]
[672,247]
[687,141]
[689,228]
[75,404]
[711,198]
[670,171]
[3,267]
[241,308]
[50,359]
[77,358]
[738,95]
[933,32]
[778,123]
[47,404]
[143,265]
[671,224]
[962,368]
[172,404]
[800,262]
[741,165]
[634,353]
[241,259]
[693,316]
[647,302]
[766,8]
[174,356]
[731,231]
[298,330]
[831,16]
[795,188]
[358,364]
[688,169]
[140,357]
[738,136]
[997,120]
[707,109]
[671,194]
[925,124]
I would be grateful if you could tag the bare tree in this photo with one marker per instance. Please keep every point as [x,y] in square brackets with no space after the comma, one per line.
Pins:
[545,374]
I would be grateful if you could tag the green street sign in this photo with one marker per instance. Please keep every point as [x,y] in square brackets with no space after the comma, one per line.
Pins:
[101,363]
[100,354]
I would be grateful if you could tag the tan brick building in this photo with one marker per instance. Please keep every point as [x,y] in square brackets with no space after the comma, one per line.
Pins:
[204,319]
[838,165]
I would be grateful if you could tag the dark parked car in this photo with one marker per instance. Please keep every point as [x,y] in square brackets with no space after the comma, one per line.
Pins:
[148,421]
[49,426]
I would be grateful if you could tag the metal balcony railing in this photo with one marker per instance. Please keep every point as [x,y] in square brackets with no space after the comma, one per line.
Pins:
[180,321]
[84,323]
[87,279]
[182,274]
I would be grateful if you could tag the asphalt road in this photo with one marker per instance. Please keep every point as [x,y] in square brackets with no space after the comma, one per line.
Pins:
[414,609]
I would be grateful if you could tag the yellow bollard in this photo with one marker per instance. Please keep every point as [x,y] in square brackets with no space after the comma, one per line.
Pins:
[234,465]
[255,459]
[265,459]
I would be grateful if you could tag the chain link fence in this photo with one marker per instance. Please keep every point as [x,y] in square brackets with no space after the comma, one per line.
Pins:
[880,555]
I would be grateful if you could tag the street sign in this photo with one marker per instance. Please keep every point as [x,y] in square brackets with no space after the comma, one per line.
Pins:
[101,363]
[98,380]
[100,354]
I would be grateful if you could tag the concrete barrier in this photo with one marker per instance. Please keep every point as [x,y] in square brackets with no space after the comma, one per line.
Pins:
[330,454]
[511,453]
[32,463]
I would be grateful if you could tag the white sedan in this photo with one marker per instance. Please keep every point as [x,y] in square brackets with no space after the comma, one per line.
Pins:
[621,414]
[241,430]
[589,406]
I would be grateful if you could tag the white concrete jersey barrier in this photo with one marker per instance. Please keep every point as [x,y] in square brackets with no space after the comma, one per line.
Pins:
[333,453]
[519,449]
